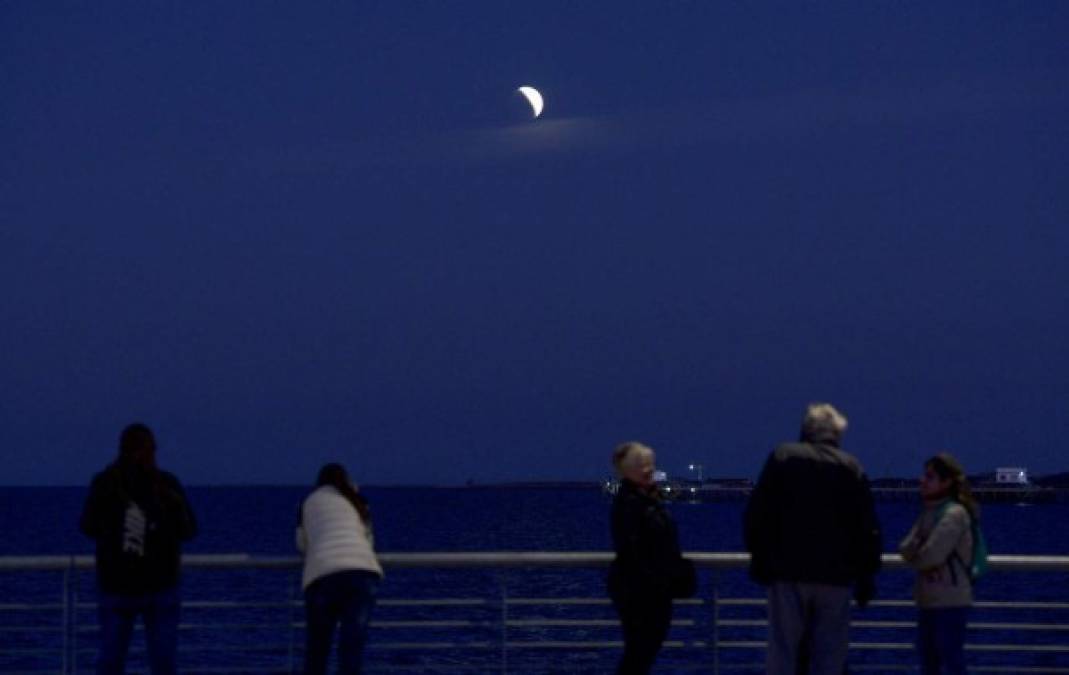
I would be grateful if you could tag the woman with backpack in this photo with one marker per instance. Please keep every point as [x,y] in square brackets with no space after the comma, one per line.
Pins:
[341,573]
[940,546]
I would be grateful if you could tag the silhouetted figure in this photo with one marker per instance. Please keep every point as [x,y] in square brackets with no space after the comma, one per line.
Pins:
[940,547]
[647,570]
[811,529]
[341,573]
[139,516]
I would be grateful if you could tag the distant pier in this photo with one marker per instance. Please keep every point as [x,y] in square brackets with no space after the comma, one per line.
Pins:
[691,491]
[984,494]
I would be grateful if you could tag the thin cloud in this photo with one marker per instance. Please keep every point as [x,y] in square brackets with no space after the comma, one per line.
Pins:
[725,121]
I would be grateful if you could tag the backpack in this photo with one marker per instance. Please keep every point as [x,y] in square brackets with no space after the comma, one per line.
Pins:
[976,567]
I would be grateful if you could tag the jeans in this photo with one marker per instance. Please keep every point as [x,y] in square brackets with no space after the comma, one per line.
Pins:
[344,598]
[645,620]
[808,628]
[117,614]
[941,640]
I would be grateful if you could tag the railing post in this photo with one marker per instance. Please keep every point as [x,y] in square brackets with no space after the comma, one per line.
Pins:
[74,588]
[716,622]
[65,658]
[292,628]
[504,623]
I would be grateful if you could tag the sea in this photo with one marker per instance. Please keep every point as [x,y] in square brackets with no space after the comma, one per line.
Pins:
[243,620]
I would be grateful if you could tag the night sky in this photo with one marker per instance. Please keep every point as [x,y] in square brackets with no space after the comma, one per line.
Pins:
[281,235]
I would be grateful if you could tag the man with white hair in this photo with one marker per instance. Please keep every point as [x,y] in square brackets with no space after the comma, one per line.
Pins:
[812,533]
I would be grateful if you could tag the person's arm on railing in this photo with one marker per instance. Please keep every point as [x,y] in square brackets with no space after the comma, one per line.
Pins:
[301,539]
[869,542]
[757,521]
[910,543]
[178,503]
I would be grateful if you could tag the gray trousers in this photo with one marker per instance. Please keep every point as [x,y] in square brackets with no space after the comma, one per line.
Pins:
[807,624]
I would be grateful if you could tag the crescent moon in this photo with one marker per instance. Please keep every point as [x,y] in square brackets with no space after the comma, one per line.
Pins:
[534,98]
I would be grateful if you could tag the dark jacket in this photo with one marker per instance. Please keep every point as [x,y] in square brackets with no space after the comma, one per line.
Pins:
[811,518]
[646,542]
[139,520]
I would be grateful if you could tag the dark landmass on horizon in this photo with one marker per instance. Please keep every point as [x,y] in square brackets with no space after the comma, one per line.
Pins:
[1058,480]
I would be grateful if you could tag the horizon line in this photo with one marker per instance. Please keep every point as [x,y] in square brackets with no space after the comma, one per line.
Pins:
[574,482]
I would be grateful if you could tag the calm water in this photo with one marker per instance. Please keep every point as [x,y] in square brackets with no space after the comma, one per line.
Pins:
[260,521]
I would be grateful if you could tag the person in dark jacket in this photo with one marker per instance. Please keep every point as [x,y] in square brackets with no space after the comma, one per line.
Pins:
[811,529]
[139,516]
[647,549]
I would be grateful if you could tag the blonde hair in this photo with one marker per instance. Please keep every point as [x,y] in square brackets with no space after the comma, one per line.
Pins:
[628,453]
[822,420]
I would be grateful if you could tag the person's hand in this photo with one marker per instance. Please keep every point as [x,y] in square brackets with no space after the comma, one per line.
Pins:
[864,591]
[908,549]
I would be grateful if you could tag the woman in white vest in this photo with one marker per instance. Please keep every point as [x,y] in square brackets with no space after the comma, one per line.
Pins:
[341,573]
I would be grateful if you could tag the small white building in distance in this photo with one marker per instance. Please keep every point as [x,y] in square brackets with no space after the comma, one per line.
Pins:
[1011,475]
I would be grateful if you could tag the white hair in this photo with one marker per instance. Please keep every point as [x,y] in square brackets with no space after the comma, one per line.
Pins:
[822,420]
[629,454]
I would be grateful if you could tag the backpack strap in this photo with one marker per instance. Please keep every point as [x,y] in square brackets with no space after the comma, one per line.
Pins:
[954,552]
[950,565]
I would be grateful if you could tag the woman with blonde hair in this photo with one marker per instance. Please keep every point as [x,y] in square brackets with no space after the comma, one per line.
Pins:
[940,547]
[648,569]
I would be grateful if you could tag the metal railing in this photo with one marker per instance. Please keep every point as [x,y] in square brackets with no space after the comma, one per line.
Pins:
[488,612]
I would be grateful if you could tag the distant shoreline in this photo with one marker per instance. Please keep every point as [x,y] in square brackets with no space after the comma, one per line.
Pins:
[1059,481]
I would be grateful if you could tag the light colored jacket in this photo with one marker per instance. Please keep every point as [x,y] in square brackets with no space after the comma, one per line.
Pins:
[332,536]
[942,579]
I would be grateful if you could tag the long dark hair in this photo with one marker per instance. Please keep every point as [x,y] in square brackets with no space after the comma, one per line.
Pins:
[337,477]
[948,468]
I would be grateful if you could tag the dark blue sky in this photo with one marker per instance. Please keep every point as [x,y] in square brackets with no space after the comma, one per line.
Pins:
[282,235]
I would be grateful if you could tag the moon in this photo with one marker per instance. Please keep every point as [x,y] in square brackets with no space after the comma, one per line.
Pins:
[534,98]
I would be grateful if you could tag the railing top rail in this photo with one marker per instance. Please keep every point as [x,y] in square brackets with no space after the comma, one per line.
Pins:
[711,560]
